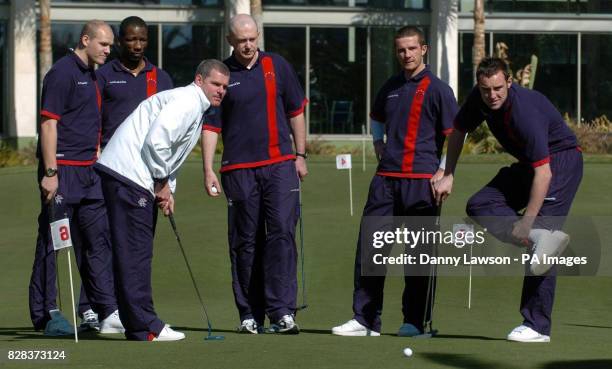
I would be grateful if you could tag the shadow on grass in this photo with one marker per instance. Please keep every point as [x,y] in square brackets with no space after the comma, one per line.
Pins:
[466,337]
[16,334]
[463,361]
[589,326]
[579,364]
[200,329]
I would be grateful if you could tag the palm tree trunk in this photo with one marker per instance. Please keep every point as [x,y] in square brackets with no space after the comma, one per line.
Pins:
[257,13]
[478,50]
[44,46]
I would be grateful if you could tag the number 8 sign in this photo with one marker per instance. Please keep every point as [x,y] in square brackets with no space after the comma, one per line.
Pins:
[60,234]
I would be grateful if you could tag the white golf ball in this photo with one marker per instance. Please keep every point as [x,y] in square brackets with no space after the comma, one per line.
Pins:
[407,352]
[213,189]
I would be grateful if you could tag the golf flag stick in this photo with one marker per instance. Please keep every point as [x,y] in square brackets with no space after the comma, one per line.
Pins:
[470,282]
[304,303]
[363,146]
[210,337]
[76,336]
[343,161]
[62,239]
[351,189]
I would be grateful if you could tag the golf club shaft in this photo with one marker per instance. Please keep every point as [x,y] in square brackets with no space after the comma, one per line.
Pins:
[431,282]
[51,210]
[195,286]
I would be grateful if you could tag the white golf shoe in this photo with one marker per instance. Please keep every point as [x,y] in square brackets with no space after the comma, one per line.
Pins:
[354,329]
[89,321]
[112,324]
[168,334]
[551,244]
[286,324]
[248,326]
[522,333]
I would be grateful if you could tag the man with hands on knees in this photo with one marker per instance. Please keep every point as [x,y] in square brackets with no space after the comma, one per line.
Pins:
[543,182]
[139,167]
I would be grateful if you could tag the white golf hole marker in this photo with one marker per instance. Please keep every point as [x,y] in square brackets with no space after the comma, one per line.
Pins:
[407,352]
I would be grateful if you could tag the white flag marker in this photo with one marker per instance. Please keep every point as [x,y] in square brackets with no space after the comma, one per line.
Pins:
[62,239]
[343,161]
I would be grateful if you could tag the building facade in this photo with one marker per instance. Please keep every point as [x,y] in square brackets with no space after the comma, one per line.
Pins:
[342,50]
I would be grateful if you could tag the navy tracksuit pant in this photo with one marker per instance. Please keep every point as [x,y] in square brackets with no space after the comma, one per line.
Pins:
[132,215]
[79,197]
[496,207]
[262,215]
[390,196]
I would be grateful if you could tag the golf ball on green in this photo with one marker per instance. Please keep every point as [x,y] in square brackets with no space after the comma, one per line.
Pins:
[407,352]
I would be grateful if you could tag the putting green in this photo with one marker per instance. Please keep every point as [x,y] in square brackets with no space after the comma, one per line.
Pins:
[582,328]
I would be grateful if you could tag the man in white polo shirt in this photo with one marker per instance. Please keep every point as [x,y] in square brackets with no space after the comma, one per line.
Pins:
[138,168]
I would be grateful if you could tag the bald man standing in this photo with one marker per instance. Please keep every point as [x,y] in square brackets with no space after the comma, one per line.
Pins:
[262,111]
[69,186]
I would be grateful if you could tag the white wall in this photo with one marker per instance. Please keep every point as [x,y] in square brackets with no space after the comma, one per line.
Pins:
[22,63]
[445,42]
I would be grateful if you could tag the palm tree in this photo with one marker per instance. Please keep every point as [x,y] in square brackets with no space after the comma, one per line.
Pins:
[257,13]
[478,50]
[44,46]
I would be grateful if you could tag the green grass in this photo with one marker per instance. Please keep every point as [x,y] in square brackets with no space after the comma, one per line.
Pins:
[582,330]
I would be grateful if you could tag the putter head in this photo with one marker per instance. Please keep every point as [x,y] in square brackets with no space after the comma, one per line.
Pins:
[302,307]
[214,338]
[430,334]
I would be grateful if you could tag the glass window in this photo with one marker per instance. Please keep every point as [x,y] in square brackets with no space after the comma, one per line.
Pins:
[556,72]
[384,62]
[596,76]
[3,71]
[65,36]
[541,6]
[595,6]
[386,4]
[544,6]
[337,80]
[288,42]
[207,3]
[185,46]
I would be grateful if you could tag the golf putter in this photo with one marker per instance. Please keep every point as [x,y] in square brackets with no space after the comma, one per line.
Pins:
[210,336]
[51,209]
[431,292]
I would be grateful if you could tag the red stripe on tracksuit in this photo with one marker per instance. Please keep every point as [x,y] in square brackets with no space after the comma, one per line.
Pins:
[270,82]
[151,77]
[412,125]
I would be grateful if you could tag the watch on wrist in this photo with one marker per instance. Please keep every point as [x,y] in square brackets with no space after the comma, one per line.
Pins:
[302,154]
[50,172]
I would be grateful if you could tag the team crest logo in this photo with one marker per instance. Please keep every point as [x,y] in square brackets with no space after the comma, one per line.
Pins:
[59,199]
[151,83]
[269,76]
[420,92]
[142,202]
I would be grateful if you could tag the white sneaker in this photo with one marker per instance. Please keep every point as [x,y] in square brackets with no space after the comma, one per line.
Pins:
[89,321]
[169,334]
[248,326]
[112,324]
[353,328]
[551,244]
[286,325]
[522,333]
